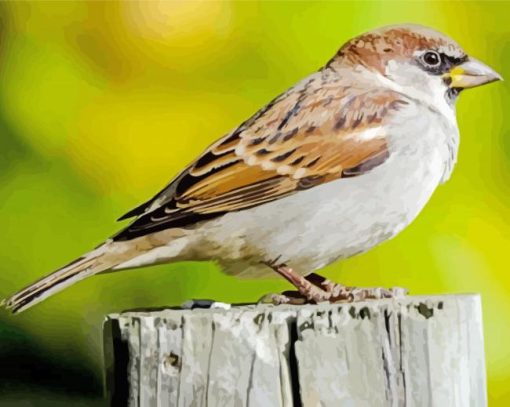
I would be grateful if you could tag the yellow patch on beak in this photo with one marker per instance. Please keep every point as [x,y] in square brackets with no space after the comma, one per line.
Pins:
[470,74]
[456,72]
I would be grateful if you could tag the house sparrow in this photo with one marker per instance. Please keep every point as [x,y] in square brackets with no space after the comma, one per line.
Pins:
[337,164]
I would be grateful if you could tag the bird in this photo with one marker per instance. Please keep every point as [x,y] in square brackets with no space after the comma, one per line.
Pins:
[340,162]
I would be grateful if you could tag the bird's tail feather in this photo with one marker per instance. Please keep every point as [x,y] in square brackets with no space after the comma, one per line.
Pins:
[94,262]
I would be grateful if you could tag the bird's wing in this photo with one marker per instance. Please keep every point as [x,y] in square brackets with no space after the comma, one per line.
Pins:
[314,133]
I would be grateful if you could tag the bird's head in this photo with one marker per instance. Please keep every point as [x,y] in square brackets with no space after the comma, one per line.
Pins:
[415,59]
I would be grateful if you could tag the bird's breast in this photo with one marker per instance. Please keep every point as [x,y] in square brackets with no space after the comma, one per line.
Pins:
[312,228]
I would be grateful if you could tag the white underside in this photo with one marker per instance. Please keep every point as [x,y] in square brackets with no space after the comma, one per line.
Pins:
[313,228]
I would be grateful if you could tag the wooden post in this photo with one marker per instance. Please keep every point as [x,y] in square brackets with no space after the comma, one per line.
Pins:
[415,351]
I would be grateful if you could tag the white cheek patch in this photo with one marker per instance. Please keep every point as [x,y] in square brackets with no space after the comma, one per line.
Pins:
[414,81]
[407,74]
[393,69]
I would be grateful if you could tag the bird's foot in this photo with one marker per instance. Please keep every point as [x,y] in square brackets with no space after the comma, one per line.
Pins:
[335,292]
[314,289]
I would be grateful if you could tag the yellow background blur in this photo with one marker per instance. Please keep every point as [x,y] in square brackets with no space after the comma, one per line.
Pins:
[101,103]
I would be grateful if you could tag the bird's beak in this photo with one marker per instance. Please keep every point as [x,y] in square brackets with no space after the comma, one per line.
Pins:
[470,74]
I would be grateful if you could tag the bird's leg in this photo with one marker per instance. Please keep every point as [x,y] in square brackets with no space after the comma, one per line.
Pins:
[307,291]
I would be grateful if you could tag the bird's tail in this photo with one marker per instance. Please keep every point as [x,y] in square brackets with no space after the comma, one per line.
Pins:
[96,261]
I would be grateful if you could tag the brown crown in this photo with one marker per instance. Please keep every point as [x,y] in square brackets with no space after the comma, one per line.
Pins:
[374,49]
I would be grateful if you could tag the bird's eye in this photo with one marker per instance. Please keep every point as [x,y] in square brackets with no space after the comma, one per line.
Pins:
[431,58]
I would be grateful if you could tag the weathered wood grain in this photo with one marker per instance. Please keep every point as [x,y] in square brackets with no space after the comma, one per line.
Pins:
[415,351]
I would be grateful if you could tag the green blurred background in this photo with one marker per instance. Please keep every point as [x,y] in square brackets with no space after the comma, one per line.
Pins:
[101,103]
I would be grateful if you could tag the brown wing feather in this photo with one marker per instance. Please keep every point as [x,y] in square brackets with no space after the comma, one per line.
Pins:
[305,137]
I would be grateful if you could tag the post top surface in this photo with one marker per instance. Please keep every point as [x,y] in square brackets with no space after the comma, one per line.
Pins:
[222,308]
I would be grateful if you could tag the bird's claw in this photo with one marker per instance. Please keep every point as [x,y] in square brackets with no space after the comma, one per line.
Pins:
[287,297]
[354,294]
